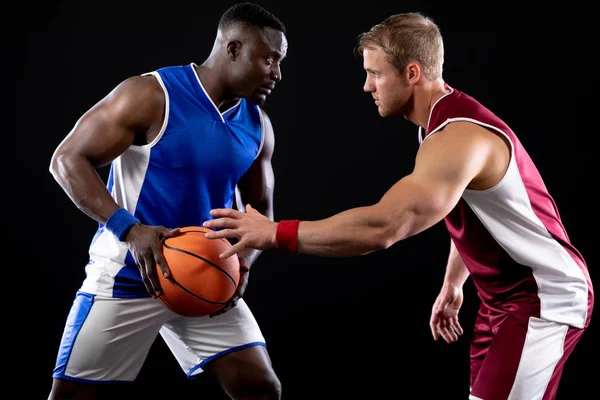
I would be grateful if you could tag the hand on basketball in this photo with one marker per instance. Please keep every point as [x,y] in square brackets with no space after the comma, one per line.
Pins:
[239,292]
[145,246]
[251,229]
[444,314]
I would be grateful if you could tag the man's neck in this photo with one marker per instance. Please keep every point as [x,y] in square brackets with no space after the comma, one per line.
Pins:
[425,99]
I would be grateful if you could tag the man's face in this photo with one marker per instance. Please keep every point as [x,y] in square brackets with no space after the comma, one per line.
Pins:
[258,64]
[389,88]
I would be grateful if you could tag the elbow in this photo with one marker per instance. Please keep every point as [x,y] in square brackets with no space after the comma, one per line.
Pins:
[395,229]
[383,238]
[56,162]
[387,240]
[379,230]
[63,165]
[389,226]
[60,164]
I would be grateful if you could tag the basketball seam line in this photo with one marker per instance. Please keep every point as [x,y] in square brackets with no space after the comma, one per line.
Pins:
[201,258]
[195,295]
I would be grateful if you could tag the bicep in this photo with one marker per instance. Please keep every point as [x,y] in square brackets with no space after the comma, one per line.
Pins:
[108,128]
[420,196]
[444,167]
[447,162]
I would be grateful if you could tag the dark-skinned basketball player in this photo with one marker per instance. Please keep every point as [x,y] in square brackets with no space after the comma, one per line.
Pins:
[472,172]
[179,141]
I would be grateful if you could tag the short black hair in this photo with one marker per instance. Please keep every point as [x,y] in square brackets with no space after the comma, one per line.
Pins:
[250,14]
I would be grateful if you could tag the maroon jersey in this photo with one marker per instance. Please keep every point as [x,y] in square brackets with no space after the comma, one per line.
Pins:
[510,236]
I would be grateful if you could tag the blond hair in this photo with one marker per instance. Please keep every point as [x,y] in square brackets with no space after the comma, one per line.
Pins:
[405,38]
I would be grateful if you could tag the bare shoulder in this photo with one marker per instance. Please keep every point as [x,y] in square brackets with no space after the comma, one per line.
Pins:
[137,102]
[459,138]
[458,143]
[468,152]
[463,131]
[144,91]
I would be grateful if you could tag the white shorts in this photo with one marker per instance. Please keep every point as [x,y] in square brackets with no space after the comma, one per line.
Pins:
[107,339]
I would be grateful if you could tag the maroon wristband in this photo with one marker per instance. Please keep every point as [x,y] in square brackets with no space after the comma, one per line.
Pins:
[286,236]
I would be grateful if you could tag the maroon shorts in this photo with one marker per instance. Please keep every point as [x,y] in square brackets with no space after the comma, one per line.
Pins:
[518,358]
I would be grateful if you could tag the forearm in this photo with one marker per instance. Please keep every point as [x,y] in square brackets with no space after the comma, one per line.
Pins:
[357,231]
[456,270]
[86,189]
[408,208]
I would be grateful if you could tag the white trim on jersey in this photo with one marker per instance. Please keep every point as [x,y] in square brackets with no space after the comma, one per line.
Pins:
[163,128]
[194,65]
[129,171]
[431,111]
[261,112]
[238,196]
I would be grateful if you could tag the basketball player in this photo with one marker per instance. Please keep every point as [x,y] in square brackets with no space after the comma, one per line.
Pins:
[179,140]
[472,172]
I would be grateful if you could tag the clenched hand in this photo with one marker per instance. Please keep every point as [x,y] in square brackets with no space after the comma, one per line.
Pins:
[144,243]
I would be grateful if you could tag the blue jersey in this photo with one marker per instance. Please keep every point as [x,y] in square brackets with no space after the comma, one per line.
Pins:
[192,166]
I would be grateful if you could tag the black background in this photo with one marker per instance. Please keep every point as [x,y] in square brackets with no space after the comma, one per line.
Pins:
[353,328]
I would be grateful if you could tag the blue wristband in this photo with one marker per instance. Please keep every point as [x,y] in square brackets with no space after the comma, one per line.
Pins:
[120,222]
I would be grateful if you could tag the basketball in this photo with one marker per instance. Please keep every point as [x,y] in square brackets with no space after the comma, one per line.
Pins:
[200,282]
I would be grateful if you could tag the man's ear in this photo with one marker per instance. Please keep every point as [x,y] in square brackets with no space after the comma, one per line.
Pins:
[233,49]
[413,72]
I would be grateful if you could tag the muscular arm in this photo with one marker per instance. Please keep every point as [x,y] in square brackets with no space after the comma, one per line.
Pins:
[257,185]
[445,165]
[461,155]
[131,111]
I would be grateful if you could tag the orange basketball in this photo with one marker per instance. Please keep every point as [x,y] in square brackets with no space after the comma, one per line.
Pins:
[200,281]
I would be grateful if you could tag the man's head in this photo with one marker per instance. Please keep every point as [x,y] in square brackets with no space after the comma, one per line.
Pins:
[397,53]
[252,42]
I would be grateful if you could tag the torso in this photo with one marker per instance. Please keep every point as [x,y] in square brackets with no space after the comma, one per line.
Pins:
[190,163]
[508,231]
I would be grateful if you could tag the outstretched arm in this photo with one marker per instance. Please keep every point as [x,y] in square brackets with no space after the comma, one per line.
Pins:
[445,164]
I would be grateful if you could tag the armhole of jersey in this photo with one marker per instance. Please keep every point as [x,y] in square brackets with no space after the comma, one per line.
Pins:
[262,131]
[238,195]
[167,108]
[511,164]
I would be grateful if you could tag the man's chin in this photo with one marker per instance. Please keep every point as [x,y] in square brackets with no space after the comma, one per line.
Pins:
[259,100]
[383,113]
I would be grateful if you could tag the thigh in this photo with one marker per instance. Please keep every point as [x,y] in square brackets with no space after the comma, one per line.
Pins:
[521,361]
[107,339]
[198,341]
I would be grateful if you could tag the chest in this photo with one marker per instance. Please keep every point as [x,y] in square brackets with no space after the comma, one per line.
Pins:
[201,143]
